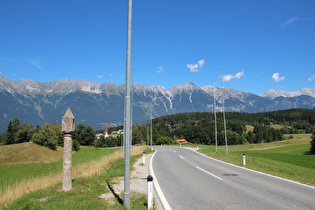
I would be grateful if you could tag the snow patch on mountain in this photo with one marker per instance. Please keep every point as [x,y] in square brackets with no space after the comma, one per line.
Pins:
[187,87]
[91,90]
[271,94]
[208,89]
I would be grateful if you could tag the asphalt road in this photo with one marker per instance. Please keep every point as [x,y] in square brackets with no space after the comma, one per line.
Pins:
[189,180]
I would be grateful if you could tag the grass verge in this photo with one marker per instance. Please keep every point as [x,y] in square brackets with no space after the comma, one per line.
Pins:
[285,159]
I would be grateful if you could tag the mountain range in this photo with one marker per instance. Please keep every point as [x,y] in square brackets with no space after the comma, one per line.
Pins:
[97,103]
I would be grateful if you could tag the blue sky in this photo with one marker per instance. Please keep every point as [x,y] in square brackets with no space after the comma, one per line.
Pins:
[257,44]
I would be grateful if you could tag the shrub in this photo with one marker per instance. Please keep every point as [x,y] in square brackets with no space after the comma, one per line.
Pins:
[49,135]
[312,152]
[75,145]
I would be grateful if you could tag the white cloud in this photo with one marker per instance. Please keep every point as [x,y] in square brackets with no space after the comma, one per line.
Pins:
[110,75]
[309,79]
[201,63]
[228,77]
[290,21]
[194,67]
[239,74]
[100,76]
[276,77]
[160,70]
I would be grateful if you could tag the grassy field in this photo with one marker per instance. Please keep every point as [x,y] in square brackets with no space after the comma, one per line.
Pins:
[277,126]
[85,193]
[249,128]
[36,161]
[287,159]
[21,179]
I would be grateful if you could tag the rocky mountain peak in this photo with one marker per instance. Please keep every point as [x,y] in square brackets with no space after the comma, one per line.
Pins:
[187,87]
[271,94]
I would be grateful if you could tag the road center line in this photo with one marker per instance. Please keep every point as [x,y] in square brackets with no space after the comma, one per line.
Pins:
[207,172]
[181,157]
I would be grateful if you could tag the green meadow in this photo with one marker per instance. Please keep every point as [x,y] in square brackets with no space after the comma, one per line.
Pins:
[95,171]
[287,159]
[16,172]
[85,193]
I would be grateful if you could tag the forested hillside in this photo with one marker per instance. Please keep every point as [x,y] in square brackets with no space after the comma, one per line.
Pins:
[200,127]
[197,128]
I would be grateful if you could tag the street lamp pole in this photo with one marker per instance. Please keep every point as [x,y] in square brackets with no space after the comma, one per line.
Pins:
[224,118]
[127,130]
[215,120]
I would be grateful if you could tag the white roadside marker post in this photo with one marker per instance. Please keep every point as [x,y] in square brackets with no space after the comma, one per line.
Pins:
[150,192]
[143,158]
[244,160]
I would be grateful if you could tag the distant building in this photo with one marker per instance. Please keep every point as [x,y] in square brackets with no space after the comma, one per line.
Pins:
[106,131]
[118,132]
[99,135]
[183,141]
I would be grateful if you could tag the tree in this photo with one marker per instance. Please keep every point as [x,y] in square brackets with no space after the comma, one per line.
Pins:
[16,124]
[85,135]
[232,137]
[250,137]
[164,140]
[75,145]
[137,134]
[49,135]
[24,134]
[100,142]
[312,151]
[9,135]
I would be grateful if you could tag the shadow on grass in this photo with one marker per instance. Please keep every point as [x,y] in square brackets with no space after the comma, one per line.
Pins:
[116,196]
[309,153]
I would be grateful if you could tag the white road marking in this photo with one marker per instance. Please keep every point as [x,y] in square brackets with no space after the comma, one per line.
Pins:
[258,172]
[207,172]
[181,157]
[157,186]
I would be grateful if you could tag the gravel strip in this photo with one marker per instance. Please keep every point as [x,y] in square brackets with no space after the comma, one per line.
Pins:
[138,182]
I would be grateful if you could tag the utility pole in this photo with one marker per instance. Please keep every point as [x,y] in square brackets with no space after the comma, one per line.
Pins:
[215,120]
[151,125]
[224,118]
[132,104]
[147,132]
[127,142]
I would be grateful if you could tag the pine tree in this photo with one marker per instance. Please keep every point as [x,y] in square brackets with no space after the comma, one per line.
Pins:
[9,135]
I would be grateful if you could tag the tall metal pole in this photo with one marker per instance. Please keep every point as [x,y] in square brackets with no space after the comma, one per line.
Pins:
[215,120]
[151,125]
[226,149]
[148,133]
[127,142]
[132,103]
